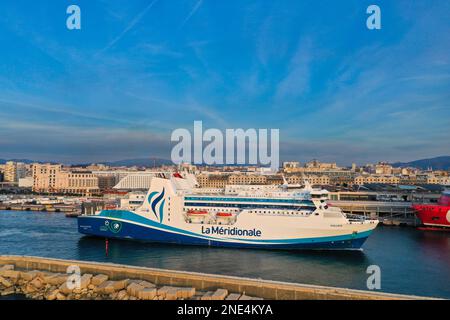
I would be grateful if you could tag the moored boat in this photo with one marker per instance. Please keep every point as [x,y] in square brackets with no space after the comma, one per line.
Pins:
[435,216]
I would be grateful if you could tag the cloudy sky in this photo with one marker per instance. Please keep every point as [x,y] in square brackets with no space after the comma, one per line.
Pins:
[139,69]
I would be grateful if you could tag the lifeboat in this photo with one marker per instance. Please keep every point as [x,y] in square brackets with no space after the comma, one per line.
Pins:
[225,218]
[224,214]
[197,212]
[197,216]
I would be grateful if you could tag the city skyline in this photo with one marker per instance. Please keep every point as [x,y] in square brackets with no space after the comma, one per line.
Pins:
[117,88]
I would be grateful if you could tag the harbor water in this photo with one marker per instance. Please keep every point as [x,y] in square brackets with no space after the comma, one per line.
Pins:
[411,261]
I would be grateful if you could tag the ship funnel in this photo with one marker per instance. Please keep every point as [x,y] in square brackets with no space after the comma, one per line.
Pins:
[285,184]
[308,186]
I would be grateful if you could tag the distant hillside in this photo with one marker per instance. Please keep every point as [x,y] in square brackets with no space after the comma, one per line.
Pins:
[438,163]
[145,162]
[3,161]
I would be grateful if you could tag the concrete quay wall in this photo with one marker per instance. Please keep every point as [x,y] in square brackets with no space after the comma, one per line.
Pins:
[203,282]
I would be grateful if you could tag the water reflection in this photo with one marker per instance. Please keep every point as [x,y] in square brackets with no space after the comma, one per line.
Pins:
[317,266]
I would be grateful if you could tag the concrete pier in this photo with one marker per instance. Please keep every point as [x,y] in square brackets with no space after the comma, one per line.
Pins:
[212,285]
[41,207]
[389,213]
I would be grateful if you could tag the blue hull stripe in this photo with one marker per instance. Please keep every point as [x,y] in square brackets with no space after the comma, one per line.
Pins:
[145,230]
[132,217]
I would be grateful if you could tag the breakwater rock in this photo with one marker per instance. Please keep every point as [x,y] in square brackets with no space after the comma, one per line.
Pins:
[44,285]
[49,278]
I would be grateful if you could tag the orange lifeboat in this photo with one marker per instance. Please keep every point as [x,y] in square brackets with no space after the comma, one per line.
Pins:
[197,212]
[224,214]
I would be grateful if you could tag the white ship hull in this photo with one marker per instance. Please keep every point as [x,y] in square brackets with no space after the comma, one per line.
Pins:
[163,218]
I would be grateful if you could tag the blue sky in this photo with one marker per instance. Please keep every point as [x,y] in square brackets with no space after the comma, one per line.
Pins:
[139,69]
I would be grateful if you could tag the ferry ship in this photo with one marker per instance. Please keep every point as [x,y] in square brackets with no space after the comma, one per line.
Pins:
[175,211]
[435,216]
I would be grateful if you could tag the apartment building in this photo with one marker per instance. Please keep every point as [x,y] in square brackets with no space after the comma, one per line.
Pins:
[13,171]
[212,180]
[385,179]
[53,178]
[312,179]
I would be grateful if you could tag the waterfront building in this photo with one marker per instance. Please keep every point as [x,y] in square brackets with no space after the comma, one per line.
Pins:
[442,180]
[81,182]
[291,164]
[10,171]
[316,171]
[247,179]
[136,181]
[220,181]
[274,179]
[374,178]
[187,167]
[212,180]
[53,178]
[46,177]
[14,171]
[26,182]
[117,174]
[321,165]
[383,169]
[312,179]
[106,182]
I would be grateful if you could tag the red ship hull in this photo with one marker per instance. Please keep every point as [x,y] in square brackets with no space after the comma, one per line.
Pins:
[435,216]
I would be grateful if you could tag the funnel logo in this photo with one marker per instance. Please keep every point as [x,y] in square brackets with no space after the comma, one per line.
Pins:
[154,199]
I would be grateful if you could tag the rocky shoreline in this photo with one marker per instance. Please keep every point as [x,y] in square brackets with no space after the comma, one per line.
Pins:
[44,285]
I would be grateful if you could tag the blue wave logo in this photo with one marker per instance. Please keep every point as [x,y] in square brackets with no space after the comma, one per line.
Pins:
[159,213]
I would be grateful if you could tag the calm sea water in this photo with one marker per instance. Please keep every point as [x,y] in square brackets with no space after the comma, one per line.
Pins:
[411,261]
